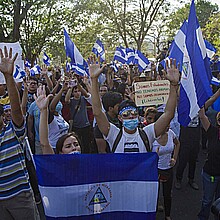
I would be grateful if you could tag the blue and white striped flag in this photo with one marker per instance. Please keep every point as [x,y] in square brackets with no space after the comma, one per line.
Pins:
[210,49]
[98,50]
[130,55]
[196,75]
[46,59]
[68,67]
[35,70]
[110,186]
[141,60]
[77,61]
[27,63]
[19,73]
[114,66]
[120,55]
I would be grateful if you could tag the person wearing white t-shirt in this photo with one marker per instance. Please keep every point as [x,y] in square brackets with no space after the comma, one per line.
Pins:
[167,146]
[128,114]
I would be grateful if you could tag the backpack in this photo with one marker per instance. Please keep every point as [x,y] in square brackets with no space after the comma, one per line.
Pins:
[143,137]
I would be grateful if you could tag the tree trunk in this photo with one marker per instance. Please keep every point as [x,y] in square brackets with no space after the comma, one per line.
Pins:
[16,31]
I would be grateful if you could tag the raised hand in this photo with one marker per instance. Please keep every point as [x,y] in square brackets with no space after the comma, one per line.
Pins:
[7,62]
[94,69]
[172,72]
[41,99]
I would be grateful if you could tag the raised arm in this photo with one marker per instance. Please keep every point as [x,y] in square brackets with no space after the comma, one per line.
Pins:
[100,117]
[204,119]
[48,80]
[42,102]
[57,98]
[24,98]
[7,67]
[173,76]
[212,99]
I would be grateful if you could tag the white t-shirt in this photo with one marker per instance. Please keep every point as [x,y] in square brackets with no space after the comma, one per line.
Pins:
[165,152]
[57,128]
[130,143]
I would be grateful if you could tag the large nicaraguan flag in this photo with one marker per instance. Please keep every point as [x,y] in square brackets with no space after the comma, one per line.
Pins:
[106,186]
[190,51]
[77,61]
[98,50]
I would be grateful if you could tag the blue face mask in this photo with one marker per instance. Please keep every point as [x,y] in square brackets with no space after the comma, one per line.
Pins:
[130,124]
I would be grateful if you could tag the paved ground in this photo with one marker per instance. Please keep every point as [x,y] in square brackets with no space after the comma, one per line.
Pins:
[186,202]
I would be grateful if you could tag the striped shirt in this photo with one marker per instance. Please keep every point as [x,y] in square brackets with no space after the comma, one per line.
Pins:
[14,177]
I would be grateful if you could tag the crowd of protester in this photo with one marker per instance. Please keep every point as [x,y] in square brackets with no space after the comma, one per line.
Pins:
[71,114]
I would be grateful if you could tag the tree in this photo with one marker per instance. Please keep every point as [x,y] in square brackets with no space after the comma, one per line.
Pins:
[211,31]
[204,9]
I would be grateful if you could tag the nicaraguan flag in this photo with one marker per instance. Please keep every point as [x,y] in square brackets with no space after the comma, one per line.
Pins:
[46,59]
[196,75]
[98,50]
[130,55]
[35,70]
[19,73]
[141,60]
[120,55]
[27,63]
[79,64]
[114,66]
[68,66]
[101,186]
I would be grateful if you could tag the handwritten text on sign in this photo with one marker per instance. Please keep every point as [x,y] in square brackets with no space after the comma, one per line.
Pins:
[151,92]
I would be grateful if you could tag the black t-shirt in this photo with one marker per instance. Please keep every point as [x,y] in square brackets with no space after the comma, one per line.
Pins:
[212,165]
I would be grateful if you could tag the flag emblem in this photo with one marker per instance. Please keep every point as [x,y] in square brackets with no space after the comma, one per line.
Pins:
[98,198]
[185,69]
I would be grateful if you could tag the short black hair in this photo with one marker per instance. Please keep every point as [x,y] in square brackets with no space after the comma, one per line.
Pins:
[126,103]
[110,99]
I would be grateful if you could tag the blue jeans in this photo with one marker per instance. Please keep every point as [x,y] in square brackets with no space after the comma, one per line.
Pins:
[211,189]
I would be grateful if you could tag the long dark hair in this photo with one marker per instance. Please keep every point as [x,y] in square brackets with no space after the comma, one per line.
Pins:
[61,140]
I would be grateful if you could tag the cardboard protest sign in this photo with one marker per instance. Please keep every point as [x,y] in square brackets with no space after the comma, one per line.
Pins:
[151,92]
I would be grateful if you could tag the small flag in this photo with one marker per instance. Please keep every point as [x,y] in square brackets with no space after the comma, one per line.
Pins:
[120,55]
[35,70]
[98,50]
[19,73]
[130,55]
[107,191]
[114,66]
[46,59]
[141,60]
[27,63]
[79,64]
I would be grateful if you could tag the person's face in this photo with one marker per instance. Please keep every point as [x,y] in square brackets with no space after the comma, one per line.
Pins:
[32,86]
[150,118]
[1,122]
[128,114]
[7,114]
[76,93]
[103,90]
[70,145]
[115,109]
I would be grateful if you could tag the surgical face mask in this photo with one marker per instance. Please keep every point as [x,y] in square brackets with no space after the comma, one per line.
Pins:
[130,124]
[75,152]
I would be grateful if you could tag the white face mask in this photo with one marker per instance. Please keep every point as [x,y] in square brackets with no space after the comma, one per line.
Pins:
[75,152]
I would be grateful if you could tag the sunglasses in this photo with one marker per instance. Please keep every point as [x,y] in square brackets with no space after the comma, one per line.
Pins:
[128,113]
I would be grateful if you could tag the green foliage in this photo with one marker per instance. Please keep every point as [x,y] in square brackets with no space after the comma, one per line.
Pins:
[204,9]
[211,31]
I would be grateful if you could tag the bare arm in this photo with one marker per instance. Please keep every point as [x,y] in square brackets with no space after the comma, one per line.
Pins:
[100,117]
[42,102]
[176,152]
[68,95]
[212,99]
[204,119]
[24,99]
[6,67]
[57,98]
[48,80]
[173,76]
